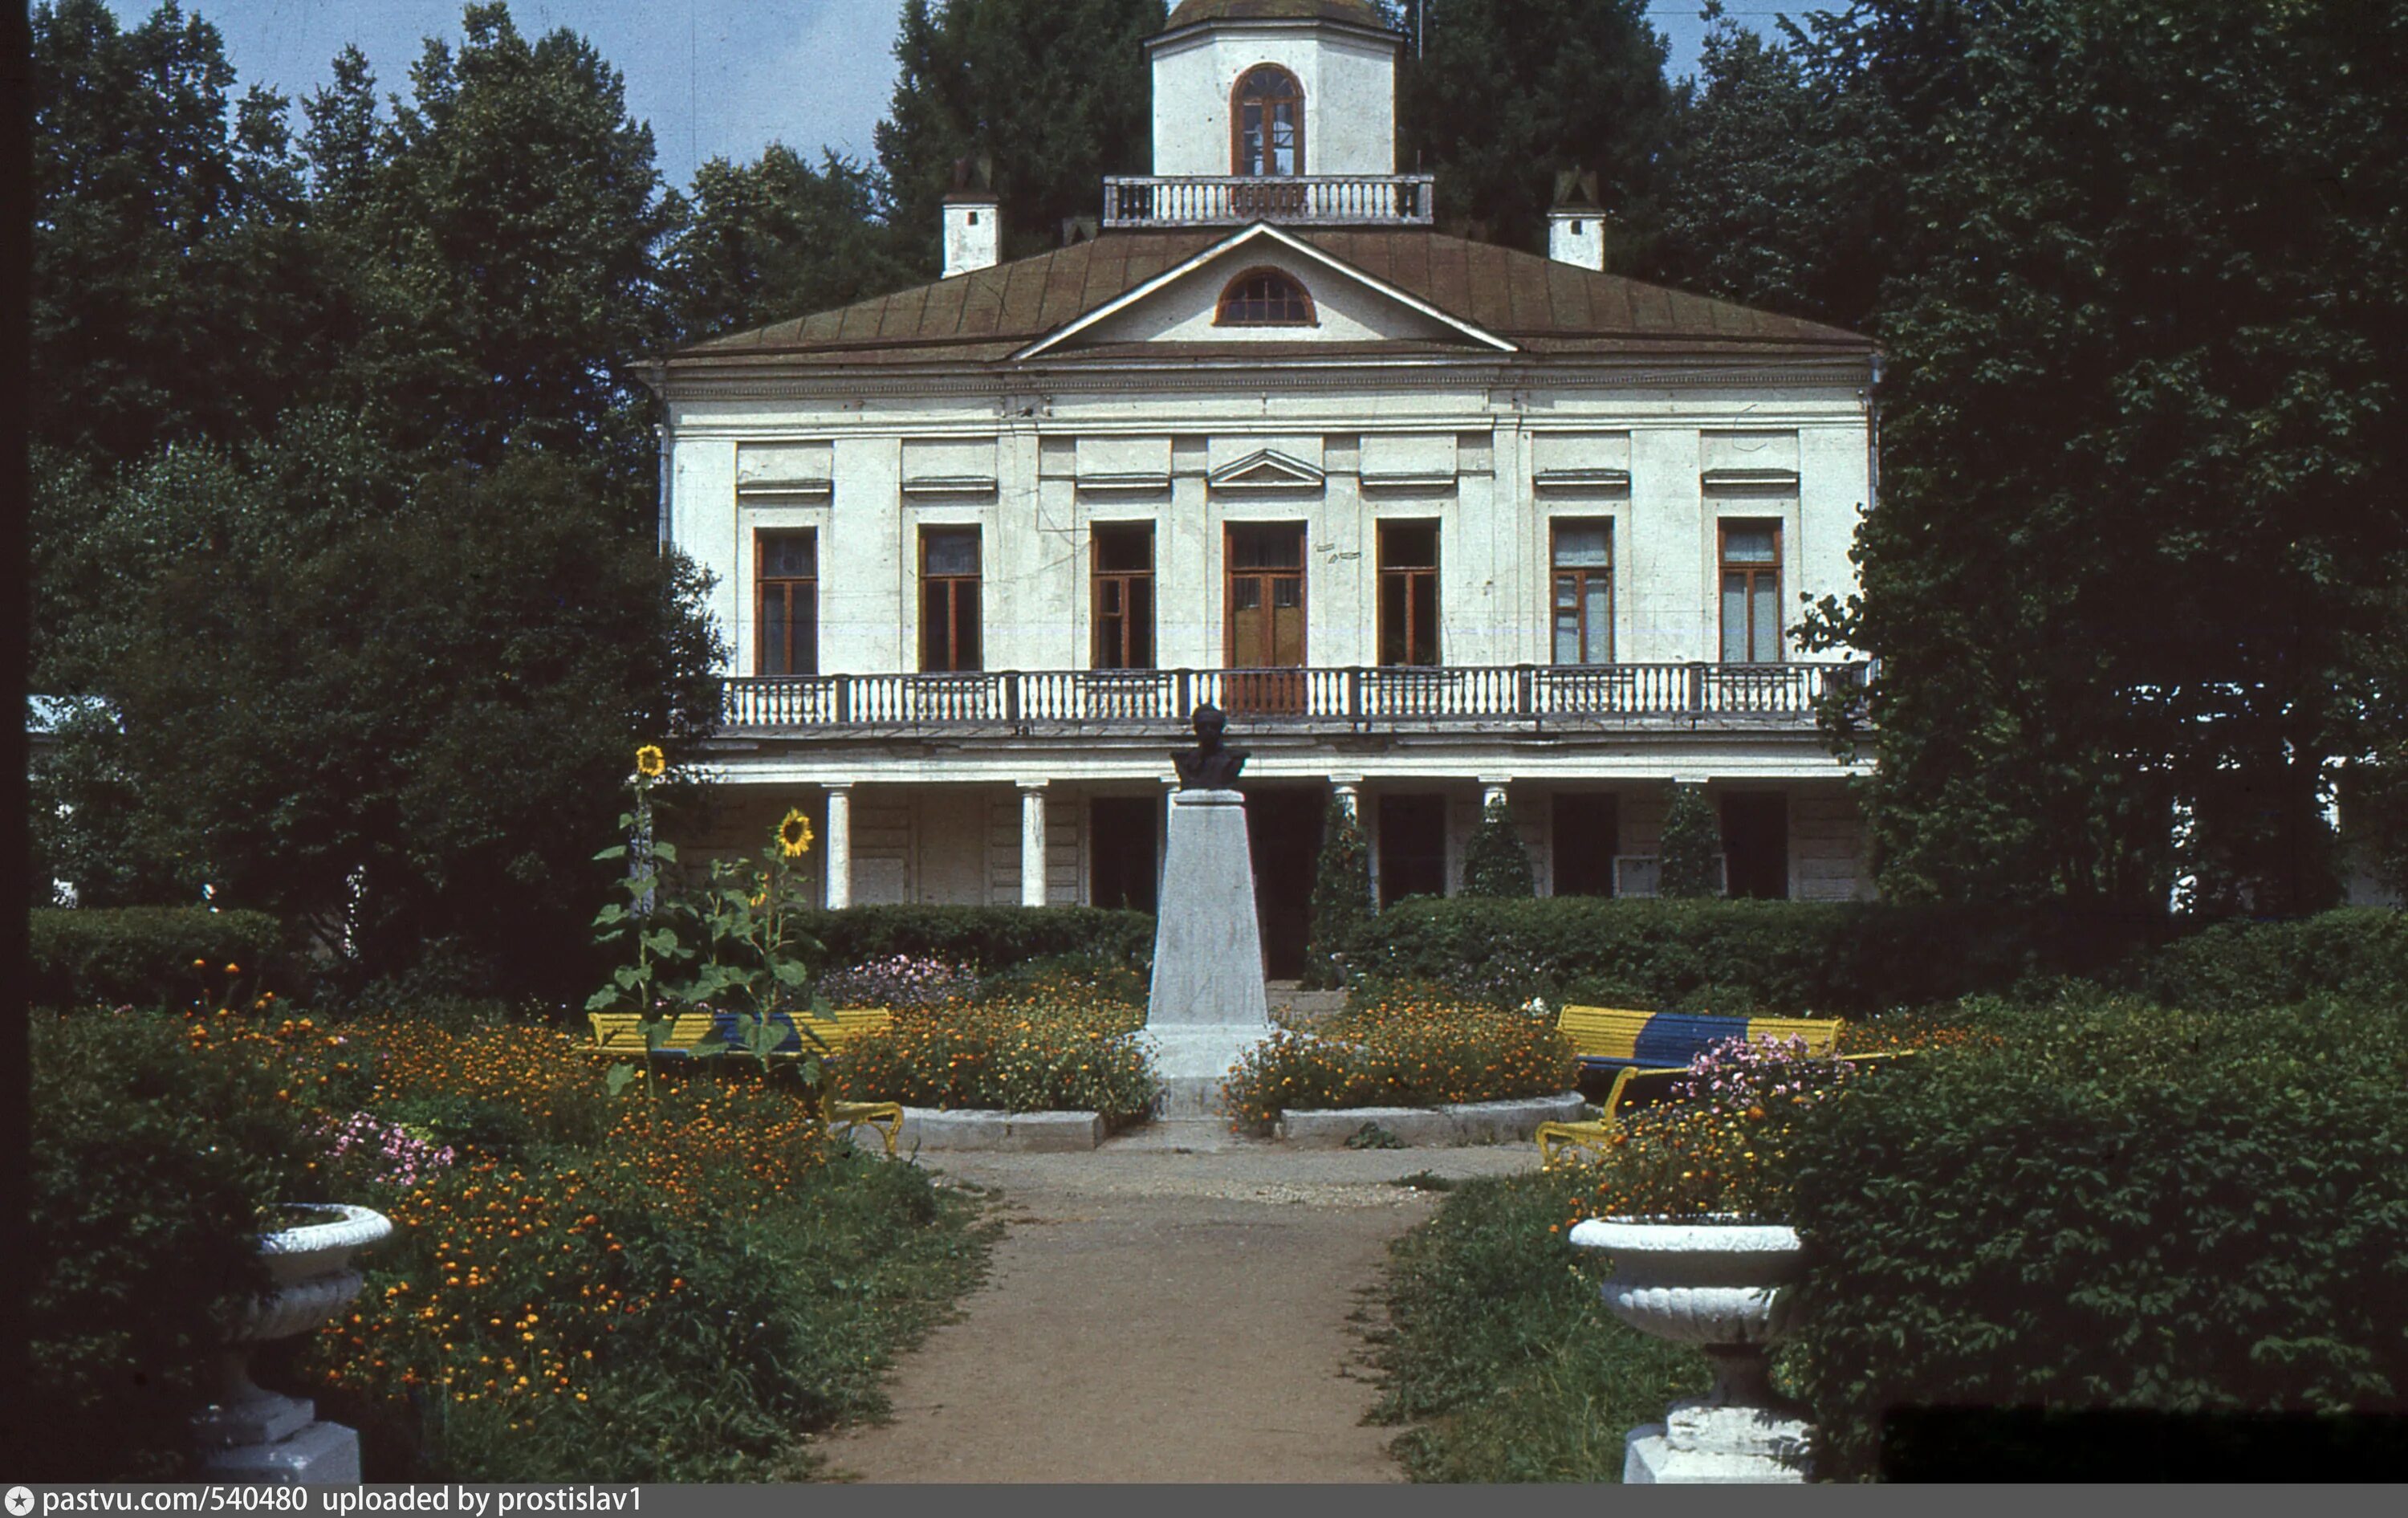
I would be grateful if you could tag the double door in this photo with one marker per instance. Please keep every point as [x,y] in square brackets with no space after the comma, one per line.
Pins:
[1263,610]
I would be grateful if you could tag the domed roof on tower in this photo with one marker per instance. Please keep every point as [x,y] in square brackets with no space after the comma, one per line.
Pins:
[1355,12]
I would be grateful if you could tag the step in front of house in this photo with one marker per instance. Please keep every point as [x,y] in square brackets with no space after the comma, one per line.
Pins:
[1298,1007]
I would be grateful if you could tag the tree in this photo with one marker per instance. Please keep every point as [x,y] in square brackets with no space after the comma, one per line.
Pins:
[1052,94]
[177,294]
[400,705]
[1689,858]
[1494,864]
[1506,93]
[774,239]
[506,226]
[1342,898]
[2136,518]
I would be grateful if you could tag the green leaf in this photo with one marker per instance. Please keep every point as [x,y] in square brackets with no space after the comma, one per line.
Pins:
[616,851]
[617,1078]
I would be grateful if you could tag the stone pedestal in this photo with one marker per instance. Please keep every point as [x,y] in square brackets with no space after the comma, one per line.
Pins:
[318,1454]
[1699,1442]
[1207,1004]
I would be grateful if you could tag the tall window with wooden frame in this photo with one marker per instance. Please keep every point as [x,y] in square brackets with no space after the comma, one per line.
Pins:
[1409,592]
[1263,603]
[949,599]
[1750,581]
[787,603]
[1584,592]
[1124,597]
[1267,123]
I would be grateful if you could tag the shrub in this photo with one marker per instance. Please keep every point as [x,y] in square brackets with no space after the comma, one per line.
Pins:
[160,1154]
[143,955]
[1735,957]
[897,981]
[2117,1207]
[1019,1059]
[1342,898]
[1494,864]
[1400,1053]
[1501,1351]
[2359,953]
[1689,858]
[986,938]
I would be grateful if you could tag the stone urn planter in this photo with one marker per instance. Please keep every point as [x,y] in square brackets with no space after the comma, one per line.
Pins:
[1723,1285]
[249,1433]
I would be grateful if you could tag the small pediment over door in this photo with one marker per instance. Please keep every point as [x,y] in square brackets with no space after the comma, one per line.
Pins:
[1265,470]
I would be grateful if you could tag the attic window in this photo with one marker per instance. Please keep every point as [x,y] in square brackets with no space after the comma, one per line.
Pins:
[1263,298]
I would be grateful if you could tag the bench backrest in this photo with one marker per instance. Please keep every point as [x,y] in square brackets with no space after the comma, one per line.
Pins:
[624,1032]
[1613,1038]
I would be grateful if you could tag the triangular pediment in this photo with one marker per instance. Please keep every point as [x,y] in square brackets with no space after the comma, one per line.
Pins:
[1180,307]
[1265,470]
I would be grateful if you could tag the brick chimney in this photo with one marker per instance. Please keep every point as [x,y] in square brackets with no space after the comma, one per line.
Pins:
[1576,222]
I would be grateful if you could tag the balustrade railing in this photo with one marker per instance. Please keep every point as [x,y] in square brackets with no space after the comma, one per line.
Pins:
[1357,697]
[1133,201]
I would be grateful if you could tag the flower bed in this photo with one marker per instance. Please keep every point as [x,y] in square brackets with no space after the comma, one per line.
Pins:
[582,1287]
[1005,1056]
[1401,1051]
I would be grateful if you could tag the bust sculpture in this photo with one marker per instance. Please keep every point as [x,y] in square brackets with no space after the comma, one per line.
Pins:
[1208,766]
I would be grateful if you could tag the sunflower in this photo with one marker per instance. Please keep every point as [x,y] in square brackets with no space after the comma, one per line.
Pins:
[794,834]
[649,762]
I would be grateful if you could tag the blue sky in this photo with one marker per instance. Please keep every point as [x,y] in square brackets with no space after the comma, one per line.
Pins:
[715,77]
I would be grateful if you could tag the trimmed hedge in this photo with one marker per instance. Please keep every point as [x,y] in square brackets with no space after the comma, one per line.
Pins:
[2123,1207]
[988,937]
[1853,958]
[2359,953]
[1735,957]
[143,955]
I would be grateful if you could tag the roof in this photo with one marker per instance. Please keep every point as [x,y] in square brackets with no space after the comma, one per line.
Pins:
[1355,12]
[1540,305]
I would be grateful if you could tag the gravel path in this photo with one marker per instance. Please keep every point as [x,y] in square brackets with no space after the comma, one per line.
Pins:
[1175,1306]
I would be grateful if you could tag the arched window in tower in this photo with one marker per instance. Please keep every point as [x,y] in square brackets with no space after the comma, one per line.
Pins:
[1263,298]
[1266,122]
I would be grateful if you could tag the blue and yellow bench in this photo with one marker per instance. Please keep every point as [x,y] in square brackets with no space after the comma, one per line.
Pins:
[1649,1053]
[620,1035]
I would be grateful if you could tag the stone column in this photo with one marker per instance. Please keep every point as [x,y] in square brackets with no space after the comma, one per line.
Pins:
[1347,789]
[840,846]
[1032,843]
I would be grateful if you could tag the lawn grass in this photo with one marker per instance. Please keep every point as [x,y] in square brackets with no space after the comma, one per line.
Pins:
[1498,1352]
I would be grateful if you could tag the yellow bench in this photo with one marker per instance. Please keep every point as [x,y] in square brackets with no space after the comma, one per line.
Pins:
[621,1034]
[1618,1038]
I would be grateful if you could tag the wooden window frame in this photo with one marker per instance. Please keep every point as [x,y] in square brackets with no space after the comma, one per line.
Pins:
[1582,574]
[1238,98]
[1229,294]
[954,584]
[1126,580]
[1403,581]
[766,585]
[1752,570]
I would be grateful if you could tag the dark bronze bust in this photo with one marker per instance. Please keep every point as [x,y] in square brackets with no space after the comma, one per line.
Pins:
[1209,767]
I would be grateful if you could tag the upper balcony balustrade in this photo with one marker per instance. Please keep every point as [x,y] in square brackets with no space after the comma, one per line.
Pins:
[1133,202]
[1497,698]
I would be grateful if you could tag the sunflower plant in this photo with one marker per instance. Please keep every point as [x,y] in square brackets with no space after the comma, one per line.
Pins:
[754,958]
[647,933]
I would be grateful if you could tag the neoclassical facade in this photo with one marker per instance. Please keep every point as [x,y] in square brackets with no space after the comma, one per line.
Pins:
[1432,520]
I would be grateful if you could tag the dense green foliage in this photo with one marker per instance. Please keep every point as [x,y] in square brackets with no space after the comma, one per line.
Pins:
[1047,96]
[985,938]
[1501,97]
[1500,1352]
[1691,854]
[147,1189]
[143,956]
[1342,898]
[2120,1205]
[1494,863]
[774,239]
[1737,956]
[2359,953]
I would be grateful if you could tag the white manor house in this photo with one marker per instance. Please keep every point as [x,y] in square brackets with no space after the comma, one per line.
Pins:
[1432,520]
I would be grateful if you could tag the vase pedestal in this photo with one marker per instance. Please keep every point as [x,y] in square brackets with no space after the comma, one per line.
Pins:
[1701,1443]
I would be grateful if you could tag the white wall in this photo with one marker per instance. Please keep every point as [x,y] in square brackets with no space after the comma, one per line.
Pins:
[1350,97]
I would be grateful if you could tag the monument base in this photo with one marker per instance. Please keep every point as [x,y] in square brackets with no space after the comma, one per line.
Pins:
[1193,1061]
[1696,1443]
[319,1454]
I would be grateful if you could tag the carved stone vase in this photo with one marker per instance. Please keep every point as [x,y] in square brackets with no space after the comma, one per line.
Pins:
[1723,1285]
[248,1433]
